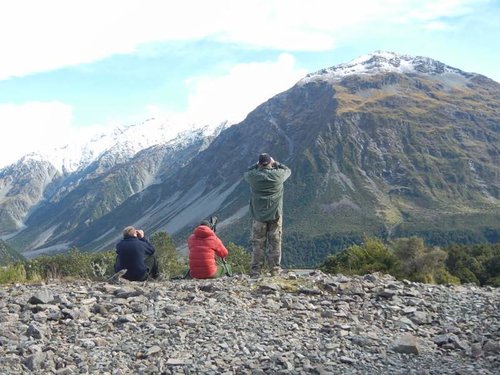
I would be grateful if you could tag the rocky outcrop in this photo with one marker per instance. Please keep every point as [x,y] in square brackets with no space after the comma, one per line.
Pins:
[22,187]
[290,325]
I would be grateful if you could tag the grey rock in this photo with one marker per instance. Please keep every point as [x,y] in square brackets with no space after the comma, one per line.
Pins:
[370,277]
[405,323]
[327,314]
[34,361]
[442,339]
[406,344]
[348,360]
[129,318]
[491,346]
[267,288]
[476,350]
[99,309]
[361,341]
[127,292]
[459,344]
[419,317]
[153,350]
[43,296]
[177,362]
[66,371]
[35,332]
[310,291]
[386,293]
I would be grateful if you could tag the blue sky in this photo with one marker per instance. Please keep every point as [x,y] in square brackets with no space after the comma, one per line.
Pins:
[84,66]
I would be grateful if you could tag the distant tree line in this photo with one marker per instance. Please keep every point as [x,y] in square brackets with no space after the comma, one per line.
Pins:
[449,237]
[303,251]
[405,258]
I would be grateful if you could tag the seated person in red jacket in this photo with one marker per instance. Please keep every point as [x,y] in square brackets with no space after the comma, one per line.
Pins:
[135,254]
[204,247]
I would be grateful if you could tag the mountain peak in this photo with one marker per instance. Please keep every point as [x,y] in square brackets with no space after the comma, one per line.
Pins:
[383,62]
[126,140]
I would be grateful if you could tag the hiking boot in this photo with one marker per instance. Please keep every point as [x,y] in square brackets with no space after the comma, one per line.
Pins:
[116,277]
[160,277]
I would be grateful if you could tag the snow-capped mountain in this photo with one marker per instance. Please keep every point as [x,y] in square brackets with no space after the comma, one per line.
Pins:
[125,141]
[49,177]
[381,62]
[390,145]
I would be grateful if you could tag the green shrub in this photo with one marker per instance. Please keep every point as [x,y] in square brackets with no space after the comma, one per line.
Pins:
[170,264]
[239,258]
[371,256]
[479,264]
[494,281]
[73,264]
[418,262]
[14,273]
[443,276]
[404,258]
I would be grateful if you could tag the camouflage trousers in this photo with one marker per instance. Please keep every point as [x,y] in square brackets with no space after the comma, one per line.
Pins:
[266,233]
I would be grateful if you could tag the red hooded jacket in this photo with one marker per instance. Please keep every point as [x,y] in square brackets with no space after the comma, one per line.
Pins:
[203,246]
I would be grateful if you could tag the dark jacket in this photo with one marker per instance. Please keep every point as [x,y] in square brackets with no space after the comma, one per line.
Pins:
[266,184]
[131,252]
[204,245]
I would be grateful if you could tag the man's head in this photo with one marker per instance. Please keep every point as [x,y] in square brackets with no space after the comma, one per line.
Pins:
[211,222]
[265,160]
[129,232]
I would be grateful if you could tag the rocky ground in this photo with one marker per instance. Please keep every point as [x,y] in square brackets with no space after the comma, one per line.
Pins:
[274,325]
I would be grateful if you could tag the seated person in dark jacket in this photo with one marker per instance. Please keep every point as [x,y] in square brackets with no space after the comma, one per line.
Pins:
[135,254]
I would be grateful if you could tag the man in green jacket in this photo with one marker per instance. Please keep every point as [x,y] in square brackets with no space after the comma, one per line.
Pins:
[266,180]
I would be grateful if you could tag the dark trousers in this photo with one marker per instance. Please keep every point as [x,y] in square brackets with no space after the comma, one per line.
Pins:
[153,269]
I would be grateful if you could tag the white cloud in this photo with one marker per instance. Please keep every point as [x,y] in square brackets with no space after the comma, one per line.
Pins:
[244,87]
[430,11]
[32,126]
[44,35]
[437,26]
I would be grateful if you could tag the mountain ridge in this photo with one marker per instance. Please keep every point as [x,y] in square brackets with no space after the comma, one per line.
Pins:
[388,153]
[384,62]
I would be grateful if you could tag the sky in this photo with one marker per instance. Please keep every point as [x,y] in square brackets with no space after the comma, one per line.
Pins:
[73,68]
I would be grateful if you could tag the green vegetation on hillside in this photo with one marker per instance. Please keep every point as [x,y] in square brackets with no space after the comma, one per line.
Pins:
[8,255]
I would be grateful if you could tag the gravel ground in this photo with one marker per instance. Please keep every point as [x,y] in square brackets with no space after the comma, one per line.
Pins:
[291,324]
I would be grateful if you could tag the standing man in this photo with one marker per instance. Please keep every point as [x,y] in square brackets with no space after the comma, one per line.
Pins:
[266,180]
[135,254]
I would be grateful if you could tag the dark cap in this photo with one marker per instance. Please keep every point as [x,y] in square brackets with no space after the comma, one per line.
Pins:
[211,222]
[264,159]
